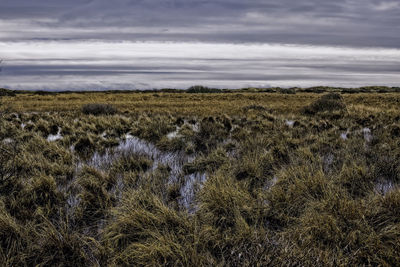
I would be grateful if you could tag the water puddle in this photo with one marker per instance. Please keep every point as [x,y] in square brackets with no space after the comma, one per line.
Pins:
[343,136]
[194,183]
[327,161]
[271,183]
[103,135]
[385,187]
[8,141]
[58,136]
[367,134]
[195,126]
[289,123]
[174,134]
[132,145]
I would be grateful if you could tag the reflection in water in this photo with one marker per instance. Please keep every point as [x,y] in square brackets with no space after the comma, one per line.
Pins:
[367,134]
[385,187]
[52,138]
[132,145]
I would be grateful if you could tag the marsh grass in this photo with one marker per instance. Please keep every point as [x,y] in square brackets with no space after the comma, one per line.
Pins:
[224,179]
[147,232]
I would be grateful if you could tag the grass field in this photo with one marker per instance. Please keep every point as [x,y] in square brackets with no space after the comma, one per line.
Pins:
[200,179]
[191,104]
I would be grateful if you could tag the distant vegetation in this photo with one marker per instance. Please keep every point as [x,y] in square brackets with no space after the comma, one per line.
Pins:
[245,178]
[99,109]
[6,92]
[204,89]
[328,102]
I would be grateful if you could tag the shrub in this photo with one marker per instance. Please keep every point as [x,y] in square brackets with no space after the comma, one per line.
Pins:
[43,93]
[202,89]
[328,102]
[7,92]
[289,91]
[99,109]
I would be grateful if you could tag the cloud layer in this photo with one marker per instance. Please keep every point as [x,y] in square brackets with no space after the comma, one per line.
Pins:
[102,44]
[77,65]
[316,22]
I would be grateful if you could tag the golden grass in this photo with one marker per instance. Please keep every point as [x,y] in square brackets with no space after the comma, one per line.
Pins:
[189,104]
[245,179]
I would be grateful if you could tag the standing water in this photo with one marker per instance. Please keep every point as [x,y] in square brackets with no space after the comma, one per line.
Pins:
[174,160]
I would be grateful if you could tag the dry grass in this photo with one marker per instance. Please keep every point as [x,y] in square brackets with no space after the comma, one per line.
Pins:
[222,179]
[188,104]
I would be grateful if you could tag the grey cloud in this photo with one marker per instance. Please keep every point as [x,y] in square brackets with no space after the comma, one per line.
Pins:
[341,22]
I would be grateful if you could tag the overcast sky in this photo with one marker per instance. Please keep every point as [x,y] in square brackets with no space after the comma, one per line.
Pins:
[100,44]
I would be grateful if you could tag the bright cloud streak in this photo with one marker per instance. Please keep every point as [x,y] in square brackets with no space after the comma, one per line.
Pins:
[77,65]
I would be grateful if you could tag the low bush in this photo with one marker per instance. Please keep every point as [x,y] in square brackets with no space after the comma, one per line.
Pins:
[202,89]
[7,92]
[99,109]
[329,102]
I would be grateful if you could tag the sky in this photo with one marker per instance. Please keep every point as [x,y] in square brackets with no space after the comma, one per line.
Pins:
[145,44]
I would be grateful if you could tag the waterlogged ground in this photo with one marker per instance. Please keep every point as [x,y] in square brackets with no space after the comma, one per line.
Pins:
[174,161]
[318,186]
